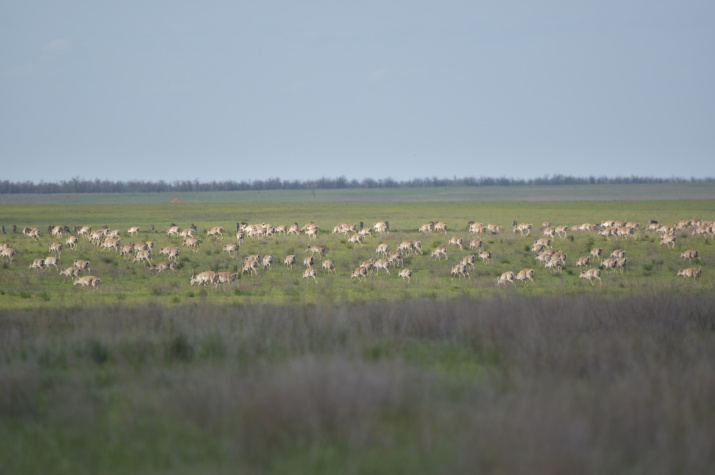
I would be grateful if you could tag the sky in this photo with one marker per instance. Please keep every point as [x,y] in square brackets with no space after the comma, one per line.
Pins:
[239,90]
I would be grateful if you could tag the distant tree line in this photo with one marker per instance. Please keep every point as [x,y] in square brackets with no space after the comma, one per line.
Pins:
[79,185]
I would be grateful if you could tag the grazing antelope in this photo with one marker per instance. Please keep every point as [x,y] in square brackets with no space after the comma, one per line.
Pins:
[554,264]
[112,243]
[669,240]
[310,272]
[115,234]
[383,227]
[312,233]
[32,233]
[309,261]
[7,252]
[143,256]
[70,272]
[618,253]
[591,274]
[522,227]
[329,266]
[289,261]
[56,247]
[543,242]
[172,252]
[396,258]
[439,252]
[37,264]
[186,233]
[250,266]
[84,230]
[460,270]
[52,261]
[405,247]
[369,264]
[192,243]
[82,264]
[356,239]
[133,230]
[406,274]
[417,246]
[226,277]
[477,228]
[216,231]
[365,232]
[493,228]
[621,263]
[485,256]
[609,264]
[126,251]
[525,274]
[381,264]
[440,226]
[561,231]
[72,242]
[475,243]
[233,247]
[693,272]
[359,271]
[550,232]
[427,228]
[583,261]
[240,235]
[173,230]
[56,231]
[315,249]
[507,276]
[383,249]
[164,266]
[468,260]
[294,229]
[545,224]
[206,277]
[86,281]
[267,262]
[690,254]
[456,241]
[596,252]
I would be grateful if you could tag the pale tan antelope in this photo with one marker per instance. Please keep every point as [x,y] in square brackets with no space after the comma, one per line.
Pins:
[690,254]
[383,249]
[164,266]
[669,240]
[37,264]
[310,272]
[192,243]
[315,249]
[596,252]
[507,276]
[359,271]
[485,256]
[144,256]
[477,228]
[460,270]
[204,278]
[72,242]
[544,242]
[87,281]
[405,247]
[440,226]
[56,231]
[475,244]
[406,274]
[186,233]
[439,252]
[312,233]
[309,261]
[133,230]
[7,252]
[364,232]
[383,227]
[417,247]
[356,239]
[114,234]
[550,232]
[173,231]
[56,247]
[329,266]
[171,252]
[126,251]
[554,265]
[294,229]
[216,231]
[70,272]
[591,274]
[493,228]
[382,264]
[427,228]
[525,274]
[233,247]
[456,241]
[84,230]
[290,261]
[522,227]
[267,262]
[395,258]
[82,264]
[618,253]
[609,264]
[52,261]
[468,260]
[621,264]
[561,231]
[33,233]
[250,266]
[112,243]
[226,277]
[690,272]
[583,261]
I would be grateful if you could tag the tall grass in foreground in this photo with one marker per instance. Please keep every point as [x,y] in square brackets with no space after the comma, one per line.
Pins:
[519,385]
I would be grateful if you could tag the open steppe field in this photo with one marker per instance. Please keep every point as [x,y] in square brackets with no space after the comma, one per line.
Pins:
[650,265]
[275,373]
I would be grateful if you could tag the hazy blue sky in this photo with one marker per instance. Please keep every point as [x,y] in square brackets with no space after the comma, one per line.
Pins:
[244,90]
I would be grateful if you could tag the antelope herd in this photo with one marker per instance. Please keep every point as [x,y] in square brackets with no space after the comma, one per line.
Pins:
[595,264]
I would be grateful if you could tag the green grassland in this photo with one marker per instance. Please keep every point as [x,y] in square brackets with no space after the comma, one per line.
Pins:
[278,374]
[650,265]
